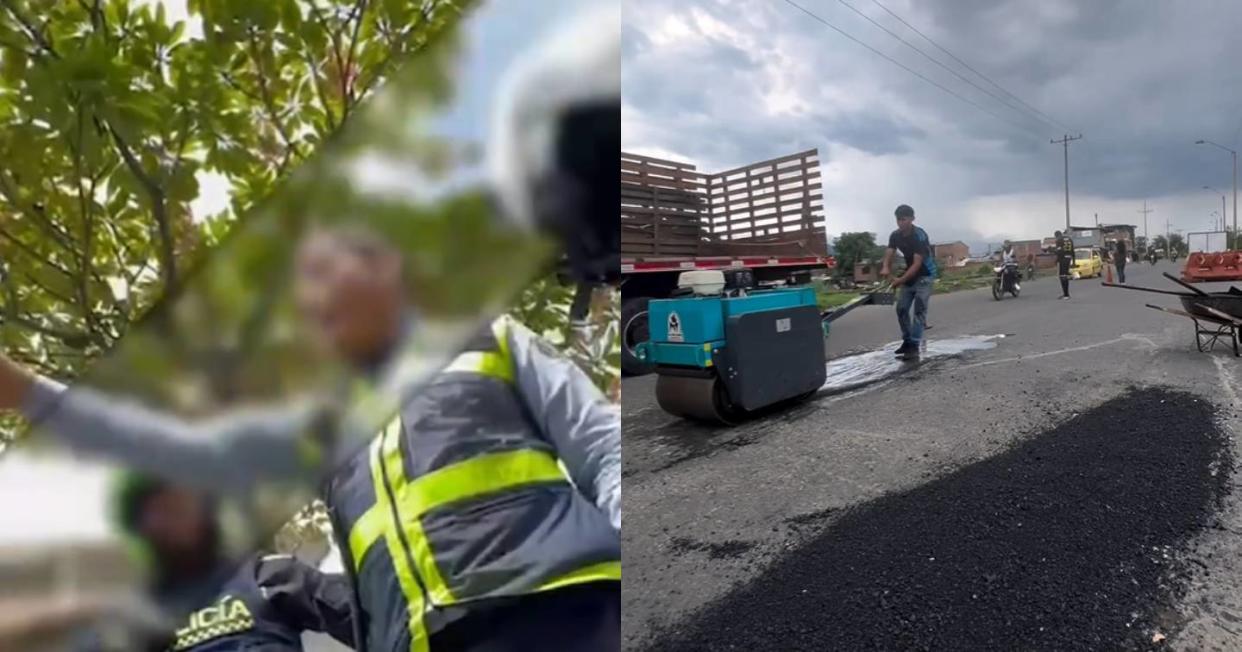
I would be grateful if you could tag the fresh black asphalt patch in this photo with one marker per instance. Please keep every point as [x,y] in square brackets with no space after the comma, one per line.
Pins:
[1066,541]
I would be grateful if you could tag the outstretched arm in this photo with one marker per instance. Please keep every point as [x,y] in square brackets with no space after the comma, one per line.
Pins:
[226,453]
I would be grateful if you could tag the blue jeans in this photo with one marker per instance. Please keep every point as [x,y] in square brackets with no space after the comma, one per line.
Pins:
[916,293]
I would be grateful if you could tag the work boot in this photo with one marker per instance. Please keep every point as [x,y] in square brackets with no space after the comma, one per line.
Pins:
[912,353]
[903,349]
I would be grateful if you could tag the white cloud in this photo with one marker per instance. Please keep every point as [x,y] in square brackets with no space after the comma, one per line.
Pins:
[722,83]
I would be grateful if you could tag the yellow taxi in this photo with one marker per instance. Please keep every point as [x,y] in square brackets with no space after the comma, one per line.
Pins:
[1087,264]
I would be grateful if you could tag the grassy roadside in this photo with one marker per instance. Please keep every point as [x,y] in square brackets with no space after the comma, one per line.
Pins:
[953,282]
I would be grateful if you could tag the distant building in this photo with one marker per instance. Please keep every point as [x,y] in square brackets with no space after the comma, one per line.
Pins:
[1024,249]
[950,254]
[866,271]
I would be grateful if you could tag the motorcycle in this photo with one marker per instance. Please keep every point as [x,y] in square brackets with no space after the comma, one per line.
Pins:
[1030,271]
[1007,277]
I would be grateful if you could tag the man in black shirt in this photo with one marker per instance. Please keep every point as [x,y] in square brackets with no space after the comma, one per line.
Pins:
[1065,259]
[915,285]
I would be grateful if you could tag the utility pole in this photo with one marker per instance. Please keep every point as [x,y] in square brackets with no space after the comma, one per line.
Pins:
[1097,220]
[1064,143]
[1145,211]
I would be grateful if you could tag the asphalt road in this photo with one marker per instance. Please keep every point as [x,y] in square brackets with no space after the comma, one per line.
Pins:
[716,516]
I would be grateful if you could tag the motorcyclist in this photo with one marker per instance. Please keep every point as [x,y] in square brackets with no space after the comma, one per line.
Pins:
[1009,264]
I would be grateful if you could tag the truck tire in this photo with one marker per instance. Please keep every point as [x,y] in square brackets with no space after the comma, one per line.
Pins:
[634,330]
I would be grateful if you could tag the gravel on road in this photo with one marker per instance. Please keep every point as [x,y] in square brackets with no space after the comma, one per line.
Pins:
[1067,540]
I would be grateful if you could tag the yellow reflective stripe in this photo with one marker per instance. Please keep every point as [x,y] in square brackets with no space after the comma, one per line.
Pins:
[405,576]
[420,547]
[500,330]
[367,530]
[609,570]
[479,476]
[490,364]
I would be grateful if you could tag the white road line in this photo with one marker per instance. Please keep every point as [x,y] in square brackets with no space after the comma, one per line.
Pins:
[1127,337]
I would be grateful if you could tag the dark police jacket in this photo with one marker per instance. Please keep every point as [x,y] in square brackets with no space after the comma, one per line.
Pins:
[263,605]
[266,606]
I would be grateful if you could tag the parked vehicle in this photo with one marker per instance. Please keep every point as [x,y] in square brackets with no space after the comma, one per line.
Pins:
[675,219]
[1087,264]
[1006,280]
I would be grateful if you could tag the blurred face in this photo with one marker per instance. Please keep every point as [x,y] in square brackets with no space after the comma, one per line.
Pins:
[176,522]
[349,294]
[905,224]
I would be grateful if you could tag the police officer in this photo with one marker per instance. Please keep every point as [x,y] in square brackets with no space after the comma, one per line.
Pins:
[263,604]
[458,525]
[1065,260]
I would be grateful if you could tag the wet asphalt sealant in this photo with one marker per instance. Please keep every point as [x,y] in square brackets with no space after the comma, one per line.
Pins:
[845,374]
[1068,540]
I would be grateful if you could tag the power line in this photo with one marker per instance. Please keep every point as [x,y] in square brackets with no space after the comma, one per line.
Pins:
[1025,114]
[905,67]
[968,67]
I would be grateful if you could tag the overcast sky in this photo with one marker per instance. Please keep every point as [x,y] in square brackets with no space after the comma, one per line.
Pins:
[726,82]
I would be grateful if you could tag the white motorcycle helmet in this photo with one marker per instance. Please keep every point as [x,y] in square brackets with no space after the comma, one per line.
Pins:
[554,150]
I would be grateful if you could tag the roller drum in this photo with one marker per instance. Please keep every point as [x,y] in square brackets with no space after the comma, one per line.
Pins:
[701,399]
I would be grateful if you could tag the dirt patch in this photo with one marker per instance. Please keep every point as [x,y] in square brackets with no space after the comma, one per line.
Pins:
[1067,540]
[731,549]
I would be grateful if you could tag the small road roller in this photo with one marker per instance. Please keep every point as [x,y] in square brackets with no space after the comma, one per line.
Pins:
[723,349]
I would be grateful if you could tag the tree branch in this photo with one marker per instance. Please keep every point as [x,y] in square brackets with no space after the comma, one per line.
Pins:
[34,255]
[335,35]
[159,209]
[357,16]
[36,215]
[72,339]
[319,90]
[84,255]
[35,34]
[291,148]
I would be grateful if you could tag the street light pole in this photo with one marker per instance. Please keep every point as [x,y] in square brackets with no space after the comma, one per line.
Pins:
[1235,183]
[1064,143]
[1223,214]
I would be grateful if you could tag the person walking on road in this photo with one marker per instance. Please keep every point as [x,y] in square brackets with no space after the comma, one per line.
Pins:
[915,285]
[1119,259]
[1065,259]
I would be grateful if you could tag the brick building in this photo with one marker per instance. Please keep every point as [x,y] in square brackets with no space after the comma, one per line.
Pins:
[950,254]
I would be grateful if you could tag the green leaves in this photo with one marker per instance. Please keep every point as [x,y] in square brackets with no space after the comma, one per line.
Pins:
[108,122]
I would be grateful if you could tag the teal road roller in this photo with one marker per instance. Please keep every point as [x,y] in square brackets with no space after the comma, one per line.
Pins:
[723,349]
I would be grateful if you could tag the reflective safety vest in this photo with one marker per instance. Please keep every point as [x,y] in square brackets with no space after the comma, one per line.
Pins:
[458,500]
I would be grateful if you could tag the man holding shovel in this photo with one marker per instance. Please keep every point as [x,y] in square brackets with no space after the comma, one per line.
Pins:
[914,287]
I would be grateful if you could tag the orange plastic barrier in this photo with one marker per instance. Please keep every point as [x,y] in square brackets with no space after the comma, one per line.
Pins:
[1213,266]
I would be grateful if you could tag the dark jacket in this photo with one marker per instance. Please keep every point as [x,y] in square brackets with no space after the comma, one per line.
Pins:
[262,606]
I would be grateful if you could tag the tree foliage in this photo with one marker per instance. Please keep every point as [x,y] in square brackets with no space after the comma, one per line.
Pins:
[853,248]
[110,112]
[1177,242]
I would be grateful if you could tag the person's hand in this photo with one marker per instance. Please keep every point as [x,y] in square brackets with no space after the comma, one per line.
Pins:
[15,383]
[884,271]
[896,281]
